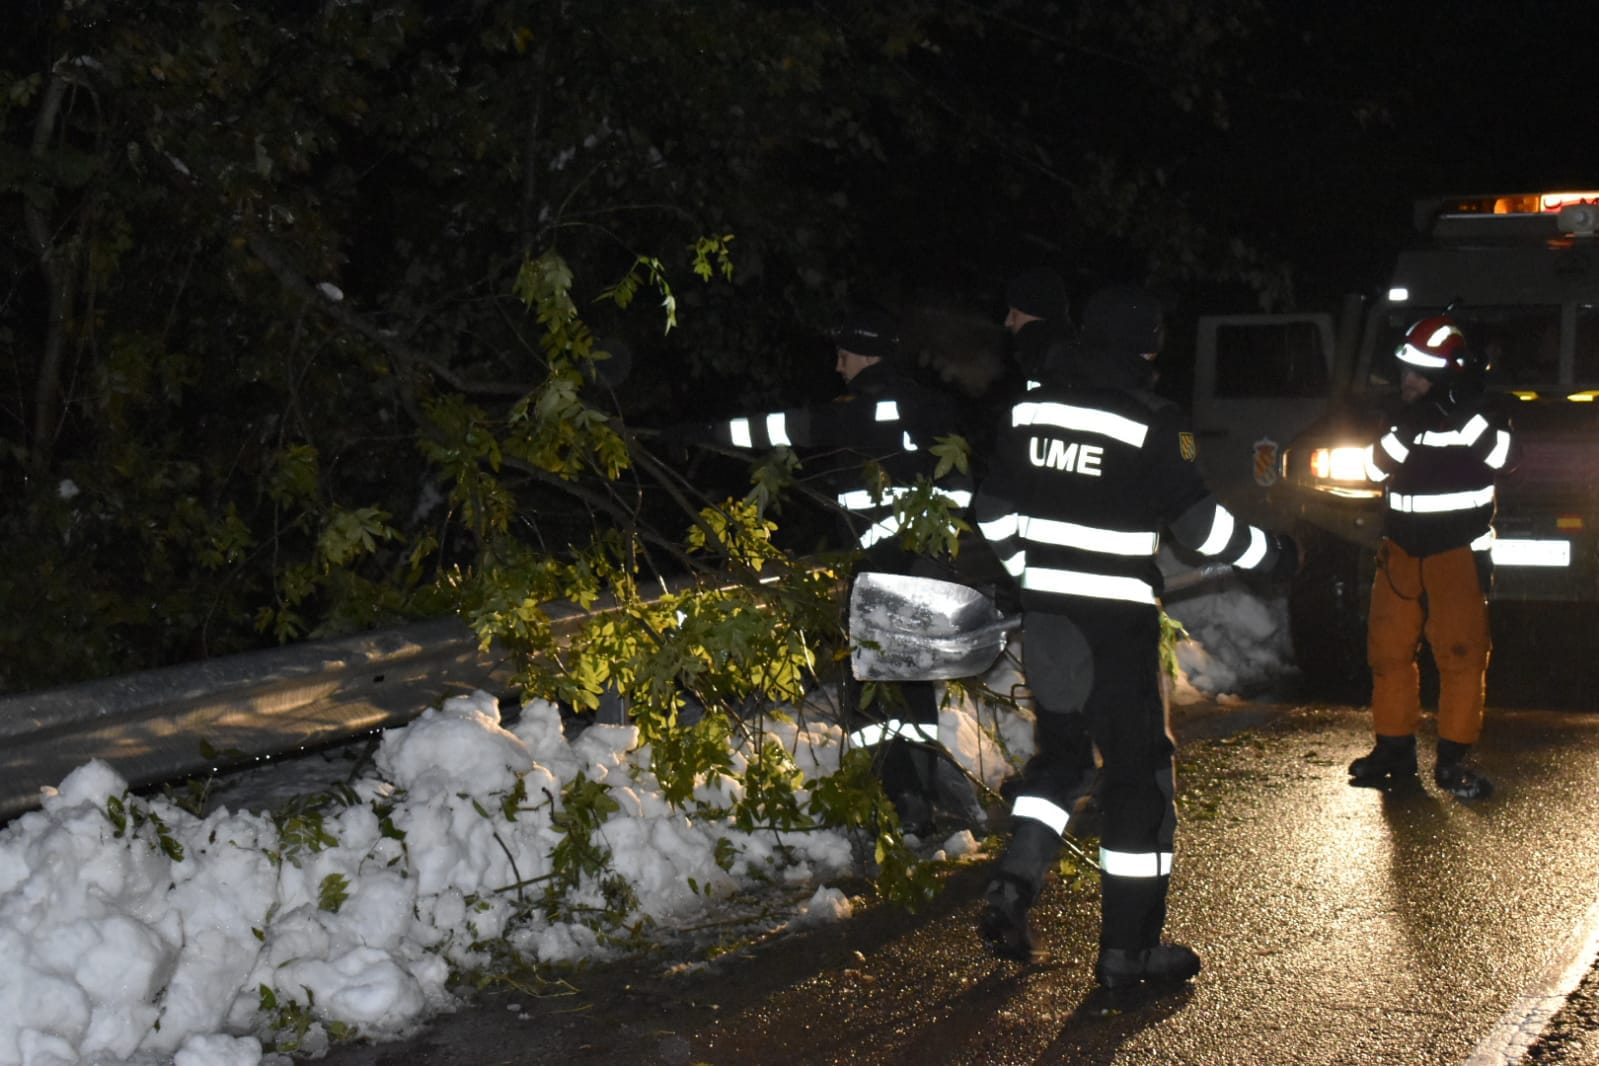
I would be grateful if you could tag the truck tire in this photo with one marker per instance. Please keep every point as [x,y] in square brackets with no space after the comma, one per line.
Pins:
[1327,605]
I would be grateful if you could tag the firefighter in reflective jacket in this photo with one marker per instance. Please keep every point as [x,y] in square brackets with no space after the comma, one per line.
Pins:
[888,419]
[1082,483]
[1438,460]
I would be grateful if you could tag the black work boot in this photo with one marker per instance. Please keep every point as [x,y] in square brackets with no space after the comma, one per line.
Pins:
[1004,925]
[1164,964]
[1455,773]
[899,768]
[957,796]
[915,813]
[1391,762]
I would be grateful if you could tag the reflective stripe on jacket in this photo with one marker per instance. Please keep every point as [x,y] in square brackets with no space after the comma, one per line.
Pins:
[1440,479]
[1082,484]
[886,418]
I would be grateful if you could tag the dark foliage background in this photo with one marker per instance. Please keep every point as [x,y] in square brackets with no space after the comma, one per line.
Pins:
[283,325]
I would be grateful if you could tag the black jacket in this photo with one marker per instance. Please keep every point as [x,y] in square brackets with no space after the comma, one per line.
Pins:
[1086,477]
[885,417]
[1439,462]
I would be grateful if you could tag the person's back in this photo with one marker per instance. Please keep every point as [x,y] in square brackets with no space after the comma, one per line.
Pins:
[1086,477]
[1101,464]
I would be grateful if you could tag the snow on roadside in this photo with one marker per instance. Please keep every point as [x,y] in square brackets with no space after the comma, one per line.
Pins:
[1238,643]
[132,931]
[150,938]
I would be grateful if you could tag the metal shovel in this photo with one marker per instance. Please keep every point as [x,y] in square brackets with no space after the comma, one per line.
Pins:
[906,628]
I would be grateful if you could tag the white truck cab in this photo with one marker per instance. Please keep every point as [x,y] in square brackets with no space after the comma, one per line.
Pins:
[1284,406]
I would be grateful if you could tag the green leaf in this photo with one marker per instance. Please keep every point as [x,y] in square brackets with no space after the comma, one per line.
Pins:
[333,892]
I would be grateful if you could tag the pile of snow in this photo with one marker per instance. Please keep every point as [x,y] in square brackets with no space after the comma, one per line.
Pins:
[132,931]
[1238,644]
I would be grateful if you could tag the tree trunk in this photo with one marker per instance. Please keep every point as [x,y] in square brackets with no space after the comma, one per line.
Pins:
[58,263]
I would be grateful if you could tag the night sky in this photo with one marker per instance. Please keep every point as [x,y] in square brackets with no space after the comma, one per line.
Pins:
[1462,97]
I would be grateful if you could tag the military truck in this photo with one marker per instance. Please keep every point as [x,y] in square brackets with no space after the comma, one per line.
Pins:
[1285,405]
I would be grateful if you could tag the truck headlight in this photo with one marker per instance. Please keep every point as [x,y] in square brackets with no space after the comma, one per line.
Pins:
[1341,471]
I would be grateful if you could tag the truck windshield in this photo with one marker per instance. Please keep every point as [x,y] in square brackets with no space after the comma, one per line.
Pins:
[1274,360]
[1522,344]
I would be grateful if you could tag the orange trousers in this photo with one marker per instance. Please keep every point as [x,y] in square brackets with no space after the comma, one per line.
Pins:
[1442,597]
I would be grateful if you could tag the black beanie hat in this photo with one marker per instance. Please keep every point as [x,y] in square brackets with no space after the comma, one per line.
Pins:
[868,332]
[1123,319]
[1040,293]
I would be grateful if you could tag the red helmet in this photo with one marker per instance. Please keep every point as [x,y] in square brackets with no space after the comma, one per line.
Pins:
[1434,348]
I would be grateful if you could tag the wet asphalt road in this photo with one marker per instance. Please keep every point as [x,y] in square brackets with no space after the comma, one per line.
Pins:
[1337,925]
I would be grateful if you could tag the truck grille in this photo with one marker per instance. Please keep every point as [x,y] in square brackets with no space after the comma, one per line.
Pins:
[1553,493]
[1552,474]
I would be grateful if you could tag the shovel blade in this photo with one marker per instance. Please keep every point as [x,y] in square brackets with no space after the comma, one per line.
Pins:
[905,628]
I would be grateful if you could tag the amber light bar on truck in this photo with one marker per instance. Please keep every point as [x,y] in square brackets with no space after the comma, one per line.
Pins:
[1530,203]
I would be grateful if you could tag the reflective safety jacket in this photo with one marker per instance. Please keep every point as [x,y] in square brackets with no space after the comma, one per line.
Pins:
[1083,482]
[1439,465]
[886,417]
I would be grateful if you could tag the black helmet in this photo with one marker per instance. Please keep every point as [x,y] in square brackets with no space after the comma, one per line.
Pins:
[1039,292]
[1123,319]
[868,332]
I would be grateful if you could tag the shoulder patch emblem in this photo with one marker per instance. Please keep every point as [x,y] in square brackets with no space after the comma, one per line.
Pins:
[1185,445]
[1266,462]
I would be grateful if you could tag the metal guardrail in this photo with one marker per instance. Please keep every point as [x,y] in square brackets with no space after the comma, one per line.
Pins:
[150,725]
[164,725]
[175,722]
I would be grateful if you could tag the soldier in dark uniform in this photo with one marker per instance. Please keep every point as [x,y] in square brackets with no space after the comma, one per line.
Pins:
[1040,325]
[888,419]
[1082,483]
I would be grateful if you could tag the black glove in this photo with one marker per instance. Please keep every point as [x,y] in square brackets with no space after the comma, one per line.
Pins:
[1007,597]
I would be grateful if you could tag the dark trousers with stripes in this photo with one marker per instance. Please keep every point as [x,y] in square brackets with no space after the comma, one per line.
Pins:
[903,765]
[1095,677]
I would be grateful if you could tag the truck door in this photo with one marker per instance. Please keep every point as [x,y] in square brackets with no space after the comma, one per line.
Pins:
[1258,381]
